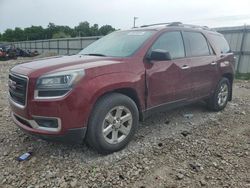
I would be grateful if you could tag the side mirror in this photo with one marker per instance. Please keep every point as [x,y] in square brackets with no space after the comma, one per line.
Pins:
[159,55]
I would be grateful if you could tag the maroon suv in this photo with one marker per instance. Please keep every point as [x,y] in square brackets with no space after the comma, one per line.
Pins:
[101,93]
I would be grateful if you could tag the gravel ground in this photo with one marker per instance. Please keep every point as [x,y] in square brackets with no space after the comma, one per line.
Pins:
[169,150]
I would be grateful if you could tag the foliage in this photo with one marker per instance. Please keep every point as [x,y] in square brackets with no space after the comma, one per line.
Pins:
[60,34]
[34,33]
[242,76]
[83,29]
[106,29]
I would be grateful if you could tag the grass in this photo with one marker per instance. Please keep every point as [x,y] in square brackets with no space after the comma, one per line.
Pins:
[242,76]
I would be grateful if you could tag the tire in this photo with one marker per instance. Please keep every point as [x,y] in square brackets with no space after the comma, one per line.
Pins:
[113,123]
[219,99]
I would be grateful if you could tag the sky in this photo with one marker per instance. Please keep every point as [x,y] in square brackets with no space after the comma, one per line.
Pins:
[120,13]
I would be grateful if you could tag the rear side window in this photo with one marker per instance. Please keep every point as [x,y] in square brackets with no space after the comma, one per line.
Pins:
[196,44]
[220,43]
[171,42]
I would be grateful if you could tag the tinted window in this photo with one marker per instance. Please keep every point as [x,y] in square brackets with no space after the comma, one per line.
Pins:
[220,43]
[197,44]
[171,42]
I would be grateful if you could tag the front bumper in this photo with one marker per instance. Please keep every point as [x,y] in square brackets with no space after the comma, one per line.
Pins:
[75,135]
[67,115]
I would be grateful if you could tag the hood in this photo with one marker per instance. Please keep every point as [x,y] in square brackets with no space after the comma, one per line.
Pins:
[60,63]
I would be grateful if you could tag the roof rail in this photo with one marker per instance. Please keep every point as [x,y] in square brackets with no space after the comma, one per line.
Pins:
[164,24]
[195,26]
[179,24]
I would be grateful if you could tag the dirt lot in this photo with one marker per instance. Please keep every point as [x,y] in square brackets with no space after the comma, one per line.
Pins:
[169,150]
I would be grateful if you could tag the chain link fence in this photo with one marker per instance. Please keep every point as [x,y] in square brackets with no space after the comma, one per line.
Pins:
[64,46]
[239,41]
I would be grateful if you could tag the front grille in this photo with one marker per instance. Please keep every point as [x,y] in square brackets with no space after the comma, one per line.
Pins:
[18,88]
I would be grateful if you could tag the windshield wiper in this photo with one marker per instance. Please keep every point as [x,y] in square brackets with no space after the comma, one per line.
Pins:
[93,54]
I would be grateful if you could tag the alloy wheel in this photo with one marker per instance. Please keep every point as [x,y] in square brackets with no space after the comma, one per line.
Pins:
[117,124]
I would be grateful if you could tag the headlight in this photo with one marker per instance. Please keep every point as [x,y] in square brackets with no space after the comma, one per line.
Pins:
[57,84]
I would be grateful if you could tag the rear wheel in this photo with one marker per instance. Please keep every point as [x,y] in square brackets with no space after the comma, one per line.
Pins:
[113,123]
[221,95]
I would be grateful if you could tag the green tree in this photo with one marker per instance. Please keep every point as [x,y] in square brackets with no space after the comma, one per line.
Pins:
[60,34]
[34,33]
[8,35]
[106,29]
[54,31]
[94,30]
[83,29]
[66,29]
[50,30]
[18,34]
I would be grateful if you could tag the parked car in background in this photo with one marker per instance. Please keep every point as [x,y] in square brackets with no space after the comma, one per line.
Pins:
[8,52]
[2,53]
[101,93]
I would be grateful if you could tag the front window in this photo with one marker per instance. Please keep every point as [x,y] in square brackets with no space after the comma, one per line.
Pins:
[171,42]
[118,44]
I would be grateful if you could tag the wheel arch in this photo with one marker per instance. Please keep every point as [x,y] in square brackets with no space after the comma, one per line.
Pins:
[131,93]
[127,91]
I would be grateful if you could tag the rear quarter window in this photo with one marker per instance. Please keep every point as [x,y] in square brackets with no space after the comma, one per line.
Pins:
[196,44]
[220,43]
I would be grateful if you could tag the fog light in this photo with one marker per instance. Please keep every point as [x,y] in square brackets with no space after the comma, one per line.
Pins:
[47,123]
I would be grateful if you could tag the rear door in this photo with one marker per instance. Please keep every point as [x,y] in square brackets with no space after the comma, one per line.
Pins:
[168,81]
[202,61]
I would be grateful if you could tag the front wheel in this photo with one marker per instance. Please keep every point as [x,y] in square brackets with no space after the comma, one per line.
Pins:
[219,99]
[113,123]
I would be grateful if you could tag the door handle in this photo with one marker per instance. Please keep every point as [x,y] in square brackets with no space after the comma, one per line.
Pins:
[185,67]
[214,63]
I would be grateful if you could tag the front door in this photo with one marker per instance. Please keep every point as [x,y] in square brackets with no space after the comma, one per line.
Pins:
[168,81]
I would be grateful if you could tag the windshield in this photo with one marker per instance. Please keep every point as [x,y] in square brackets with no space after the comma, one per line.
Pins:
[118,44]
